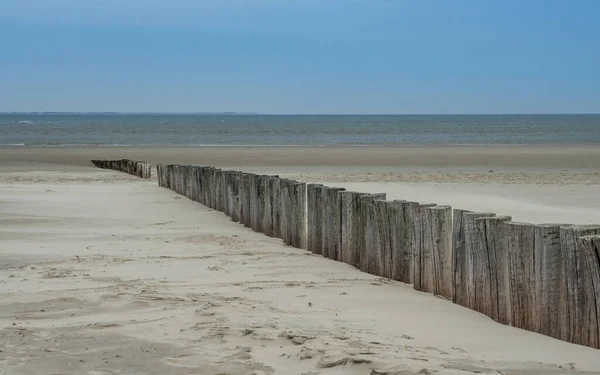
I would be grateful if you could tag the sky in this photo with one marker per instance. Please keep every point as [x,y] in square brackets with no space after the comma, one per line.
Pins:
[301,56]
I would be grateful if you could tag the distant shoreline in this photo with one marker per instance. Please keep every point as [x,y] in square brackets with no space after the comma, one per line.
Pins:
[283,114]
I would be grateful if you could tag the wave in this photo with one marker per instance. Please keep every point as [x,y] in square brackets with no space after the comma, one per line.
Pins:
[26,122]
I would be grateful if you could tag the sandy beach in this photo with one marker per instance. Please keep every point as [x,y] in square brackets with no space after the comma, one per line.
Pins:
[105,273]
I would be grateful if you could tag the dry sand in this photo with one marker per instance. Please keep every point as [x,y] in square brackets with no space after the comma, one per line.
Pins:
[103,273]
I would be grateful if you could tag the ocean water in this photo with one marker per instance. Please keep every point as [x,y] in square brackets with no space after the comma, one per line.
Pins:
[226,129]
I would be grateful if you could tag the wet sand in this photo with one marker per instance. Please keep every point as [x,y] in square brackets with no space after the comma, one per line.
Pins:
[474,158]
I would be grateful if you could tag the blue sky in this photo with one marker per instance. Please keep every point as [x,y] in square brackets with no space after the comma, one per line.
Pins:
[301,56]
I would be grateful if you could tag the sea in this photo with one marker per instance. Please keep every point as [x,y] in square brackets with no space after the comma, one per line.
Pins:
[51,129]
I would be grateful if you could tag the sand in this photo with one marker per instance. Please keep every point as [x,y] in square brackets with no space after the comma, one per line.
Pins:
[104,273]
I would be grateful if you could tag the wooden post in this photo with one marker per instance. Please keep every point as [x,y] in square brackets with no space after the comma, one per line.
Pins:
[244,198]
[437,263]
[580,327]
[218,196]
[549,282]
[284,208]
[223,187]
[214,188]
[331,217]
[591,247]
[169,176]
[268,206]
[383,254]
[193,182]
[276,211]
[180,180]
[314,218]
[367,235]
[350,226]
[396,227]
[465,235]
[159,175]
[177,178]
[257,202]
[490,268]
[520,237]
[249,204]
[403,256]
[298,211]
[188,181]
[200,184]
[235,196]
[417,245]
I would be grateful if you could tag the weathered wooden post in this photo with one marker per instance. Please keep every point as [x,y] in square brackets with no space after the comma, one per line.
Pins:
[236,178]
[580,327]
[200,183]
[465,236]
[331,217]
[243,197]
[214,190]
[224,199]
[188,181]
[225,192]
[550,284]
[176,179]
[396,226]
[253,200]
[403,269]
[276,211]
[349,224]
[218,189]
[193,182]
[285,208]
[520,238]
[368,234]
[159,175]
[591,248]
[383,252]
[228,182]
[314,218]
[417,245]
[490,268]
[257,203]
[247,202]
[269,205]
[183,180]
[298,200]
[437,263]
[171,177]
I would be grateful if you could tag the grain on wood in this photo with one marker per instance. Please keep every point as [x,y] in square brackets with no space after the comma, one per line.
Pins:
[591,248]
[549,283]
[314,218]
[420,254]
[350,227]
[579,287]
[464,237]
[437,263]
[489,269]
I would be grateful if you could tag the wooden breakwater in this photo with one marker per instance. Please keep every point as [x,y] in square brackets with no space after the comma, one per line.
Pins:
[136,168]
[543,278]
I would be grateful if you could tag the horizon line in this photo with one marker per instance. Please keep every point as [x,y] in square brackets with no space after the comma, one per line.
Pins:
[233,113]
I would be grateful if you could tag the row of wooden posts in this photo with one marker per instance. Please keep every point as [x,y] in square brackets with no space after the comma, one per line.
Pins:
[542,278]
[137,168]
